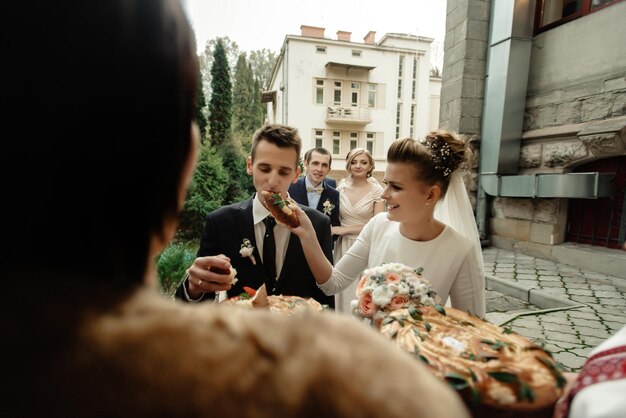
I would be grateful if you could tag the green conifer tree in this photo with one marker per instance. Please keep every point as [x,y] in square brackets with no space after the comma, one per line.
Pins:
[200,107]
[220,104]
[205,193]
[244,120]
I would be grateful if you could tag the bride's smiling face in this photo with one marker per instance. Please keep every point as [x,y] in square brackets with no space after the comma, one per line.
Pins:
[408,199]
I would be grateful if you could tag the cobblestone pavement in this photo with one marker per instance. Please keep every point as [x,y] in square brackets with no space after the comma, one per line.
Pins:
[595,309]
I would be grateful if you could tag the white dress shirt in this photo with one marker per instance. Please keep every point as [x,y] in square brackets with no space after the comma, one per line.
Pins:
[313,197]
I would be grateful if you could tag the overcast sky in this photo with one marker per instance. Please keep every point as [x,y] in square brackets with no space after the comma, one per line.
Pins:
[257,24]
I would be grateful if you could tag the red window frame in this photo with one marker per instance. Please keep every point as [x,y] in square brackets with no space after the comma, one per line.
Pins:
[585,9]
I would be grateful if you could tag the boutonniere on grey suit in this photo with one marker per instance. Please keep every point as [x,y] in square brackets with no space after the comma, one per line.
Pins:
[328,207]
[247,249]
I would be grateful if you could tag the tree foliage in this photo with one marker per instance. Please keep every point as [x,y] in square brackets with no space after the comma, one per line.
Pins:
[205,193]
[201,119]
[234,160]
[206,60]
[436,58]
[220,104]
[172,264]
[262,62]
[247,113]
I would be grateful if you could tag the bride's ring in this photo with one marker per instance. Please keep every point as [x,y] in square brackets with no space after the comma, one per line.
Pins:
[199,282]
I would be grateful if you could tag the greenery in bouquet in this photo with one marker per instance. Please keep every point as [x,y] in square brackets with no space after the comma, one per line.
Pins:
[389,287]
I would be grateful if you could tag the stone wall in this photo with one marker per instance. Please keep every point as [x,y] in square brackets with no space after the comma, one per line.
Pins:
[462,90]
[464,62]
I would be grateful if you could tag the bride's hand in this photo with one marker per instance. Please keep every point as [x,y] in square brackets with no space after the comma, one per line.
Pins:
[306,227]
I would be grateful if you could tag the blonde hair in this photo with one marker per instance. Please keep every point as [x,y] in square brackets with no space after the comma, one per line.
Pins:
[355,153]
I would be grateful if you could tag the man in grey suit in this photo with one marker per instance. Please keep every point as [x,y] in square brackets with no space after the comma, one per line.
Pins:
[273,165]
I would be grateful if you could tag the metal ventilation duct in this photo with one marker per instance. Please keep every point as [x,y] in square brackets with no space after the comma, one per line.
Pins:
[508,62]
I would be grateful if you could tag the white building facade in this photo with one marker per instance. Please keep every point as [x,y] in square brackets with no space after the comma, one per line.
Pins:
[342,94]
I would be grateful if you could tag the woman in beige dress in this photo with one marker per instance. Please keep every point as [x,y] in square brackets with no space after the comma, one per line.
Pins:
[360,199]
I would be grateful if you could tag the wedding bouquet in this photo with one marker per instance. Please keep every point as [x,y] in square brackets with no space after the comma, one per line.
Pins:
[389,287]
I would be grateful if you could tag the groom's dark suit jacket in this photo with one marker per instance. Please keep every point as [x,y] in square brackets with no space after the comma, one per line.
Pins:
[297,192]
[224,232]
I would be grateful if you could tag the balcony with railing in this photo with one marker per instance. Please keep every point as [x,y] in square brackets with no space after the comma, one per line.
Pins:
[349,114]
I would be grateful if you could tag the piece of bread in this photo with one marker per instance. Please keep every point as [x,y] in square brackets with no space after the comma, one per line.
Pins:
[280,208]
[260,299]
[496,372]
[288,305]
[230,272]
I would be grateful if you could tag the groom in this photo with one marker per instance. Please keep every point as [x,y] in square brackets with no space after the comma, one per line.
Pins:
[273,165]
[313,190]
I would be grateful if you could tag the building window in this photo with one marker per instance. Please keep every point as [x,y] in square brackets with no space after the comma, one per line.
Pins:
[354,140]
[337,95]
[412,121]
[336,142]
[369,143]
[400,71]
[414,86]
[319,91]
[398,119]
[354,94]
[320,49]
[371,94]
[356,53]
[319,139]
[552,13]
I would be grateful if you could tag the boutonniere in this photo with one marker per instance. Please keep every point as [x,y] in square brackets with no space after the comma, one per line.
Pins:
[247,249]
[328,207]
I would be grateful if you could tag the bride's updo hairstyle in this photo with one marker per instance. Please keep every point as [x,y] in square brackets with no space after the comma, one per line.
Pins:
[435,157]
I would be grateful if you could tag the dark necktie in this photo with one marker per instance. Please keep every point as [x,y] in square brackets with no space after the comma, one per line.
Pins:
[269,252]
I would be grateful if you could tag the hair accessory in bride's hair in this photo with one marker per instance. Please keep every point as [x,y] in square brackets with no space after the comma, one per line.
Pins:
[440,153]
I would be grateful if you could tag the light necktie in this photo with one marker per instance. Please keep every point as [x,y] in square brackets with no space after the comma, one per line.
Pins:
[269,253]
[318,189]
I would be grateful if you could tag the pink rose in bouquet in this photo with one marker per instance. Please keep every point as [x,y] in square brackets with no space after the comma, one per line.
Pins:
[366,306]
